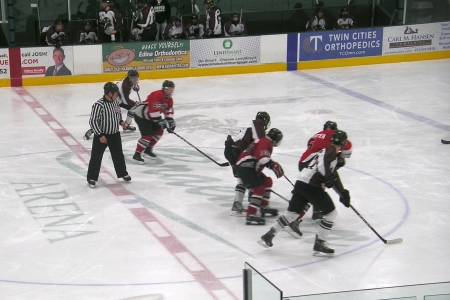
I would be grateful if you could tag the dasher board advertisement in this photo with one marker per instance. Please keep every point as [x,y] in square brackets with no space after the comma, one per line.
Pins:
[161,55]
[46,61]
[222,52]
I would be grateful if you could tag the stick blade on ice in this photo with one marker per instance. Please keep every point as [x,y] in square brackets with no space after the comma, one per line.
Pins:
[396,241]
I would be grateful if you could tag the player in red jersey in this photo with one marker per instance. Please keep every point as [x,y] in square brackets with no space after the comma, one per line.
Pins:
[149,117]
[249,167]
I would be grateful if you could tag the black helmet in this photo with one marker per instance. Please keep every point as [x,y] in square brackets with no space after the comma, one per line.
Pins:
[345,8]
[58,22]
[234,15]
[110,87]
[87,23]
[262,115]
[275,135]
[133,73]
[194,16]
[339,138]
[178,18]
[330,125]
[168,84]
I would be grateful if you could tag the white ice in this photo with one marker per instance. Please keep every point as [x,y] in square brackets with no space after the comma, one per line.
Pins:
[168,233]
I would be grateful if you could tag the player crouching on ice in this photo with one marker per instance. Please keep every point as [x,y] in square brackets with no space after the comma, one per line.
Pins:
[310,188]
[249,166]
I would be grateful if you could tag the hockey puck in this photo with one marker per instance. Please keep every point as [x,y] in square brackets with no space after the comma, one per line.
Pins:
[445,141]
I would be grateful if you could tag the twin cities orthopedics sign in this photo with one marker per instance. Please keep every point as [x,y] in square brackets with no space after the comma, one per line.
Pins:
[319,45]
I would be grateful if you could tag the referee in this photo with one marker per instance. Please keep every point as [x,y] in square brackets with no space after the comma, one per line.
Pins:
[105,120]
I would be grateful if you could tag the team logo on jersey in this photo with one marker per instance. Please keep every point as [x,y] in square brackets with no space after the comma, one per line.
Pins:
[265,153]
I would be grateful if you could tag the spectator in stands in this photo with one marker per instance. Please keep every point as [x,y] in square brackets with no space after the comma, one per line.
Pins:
[213,24]
[235,27]
[59,68]
[162,16]
[194,29]
[175,30]
[298,19]
[145,24]
[317,22]
[86,35]
[55,34]
[344,21]
[110,21]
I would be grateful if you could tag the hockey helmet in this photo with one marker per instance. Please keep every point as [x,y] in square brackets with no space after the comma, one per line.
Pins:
[208,2]
[275,135]
[178,18]
[339,138]
[58,22]
[330,125]
[234,15]
[168,84]
[133,73]
[194,17]
[110,87]
[265,117]
[345,8]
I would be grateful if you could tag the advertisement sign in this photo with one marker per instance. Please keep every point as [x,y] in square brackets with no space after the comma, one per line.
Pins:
[222,52]
[46,61]
[416,38]
[4,63]
[164,55]
[319,45]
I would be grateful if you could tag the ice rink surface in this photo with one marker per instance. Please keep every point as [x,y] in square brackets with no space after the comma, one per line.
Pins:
[168,235]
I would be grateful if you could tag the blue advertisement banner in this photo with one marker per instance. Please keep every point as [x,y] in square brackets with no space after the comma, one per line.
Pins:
[319,45]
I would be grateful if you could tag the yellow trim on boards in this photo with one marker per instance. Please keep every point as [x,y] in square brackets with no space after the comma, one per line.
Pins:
[277,67]
[5,82]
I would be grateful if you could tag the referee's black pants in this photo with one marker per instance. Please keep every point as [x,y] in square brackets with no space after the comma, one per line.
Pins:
[114,143]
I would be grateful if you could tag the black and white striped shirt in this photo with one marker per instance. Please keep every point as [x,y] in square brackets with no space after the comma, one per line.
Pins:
[105,117]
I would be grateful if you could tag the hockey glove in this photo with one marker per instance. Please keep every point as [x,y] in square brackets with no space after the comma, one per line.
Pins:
[340,163]
[276,168]
[209,33]
[345,198]
[171,125]
[331,181]
[136,88]
[163,124]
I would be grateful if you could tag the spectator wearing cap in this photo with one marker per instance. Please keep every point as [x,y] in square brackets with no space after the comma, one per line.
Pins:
[213,26]
[194,29]
[317,22]
[86,35]
[175,30]
[235,27]
[55,34]
[162,16]
[344,20]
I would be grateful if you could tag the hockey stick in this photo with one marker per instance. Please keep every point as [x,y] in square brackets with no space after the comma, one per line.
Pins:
[389,242]
[280,196]
[288,180]
[445,141]
[222,164]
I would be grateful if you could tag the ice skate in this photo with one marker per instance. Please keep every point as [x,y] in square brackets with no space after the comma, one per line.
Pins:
[238,210]
[130,127]
[268,210]
[91,183]
[266,239]
[321,247]
[88,134]
[137,159]
[126,178]
[254,220]
[148,152]
[294,229]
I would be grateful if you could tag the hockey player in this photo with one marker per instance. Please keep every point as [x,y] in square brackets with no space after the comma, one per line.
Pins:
[317,22]
[111,22]
[309,187]
[86,35]
[317,142]
[233,148]
[213,24]
[149,117]
[129,83]
[249,167]
[194,29]
[145,24]
[55,34]
[175,30]
[344,21]
[235,27]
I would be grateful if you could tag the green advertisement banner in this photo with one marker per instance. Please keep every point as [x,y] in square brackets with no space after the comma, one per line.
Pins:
[163,55]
